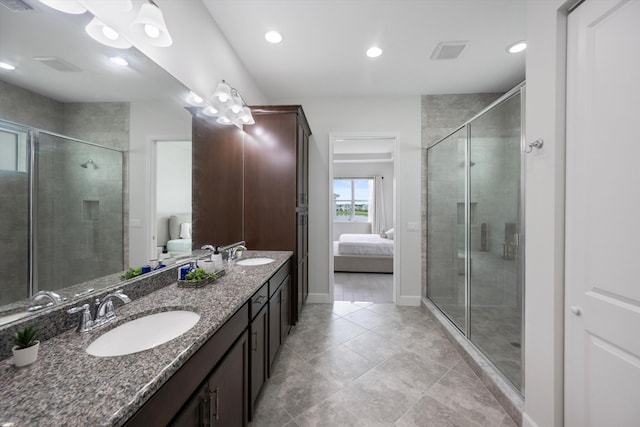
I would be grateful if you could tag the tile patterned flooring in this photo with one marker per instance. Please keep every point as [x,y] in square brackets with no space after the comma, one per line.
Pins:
[370,287]
[366,364]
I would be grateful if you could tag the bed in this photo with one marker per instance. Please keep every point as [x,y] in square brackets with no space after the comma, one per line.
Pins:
[363,253]
[174,232]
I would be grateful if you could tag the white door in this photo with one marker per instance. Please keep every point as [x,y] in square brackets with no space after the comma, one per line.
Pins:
[602,265]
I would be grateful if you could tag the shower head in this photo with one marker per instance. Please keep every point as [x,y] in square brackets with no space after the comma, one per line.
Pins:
[89,162]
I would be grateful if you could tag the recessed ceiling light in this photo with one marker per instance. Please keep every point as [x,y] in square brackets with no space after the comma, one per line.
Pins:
[374,52]
[273,37]
[118,60]
[517,47]
[7,66]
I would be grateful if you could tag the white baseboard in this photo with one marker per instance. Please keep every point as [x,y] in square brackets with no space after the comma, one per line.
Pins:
[411,301]
[527,421]
[318,299]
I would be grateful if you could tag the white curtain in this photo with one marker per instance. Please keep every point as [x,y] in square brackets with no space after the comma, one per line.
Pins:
[379,214]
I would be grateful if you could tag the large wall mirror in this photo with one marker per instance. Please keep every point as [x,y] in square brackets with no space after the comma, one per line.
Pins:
[72,121]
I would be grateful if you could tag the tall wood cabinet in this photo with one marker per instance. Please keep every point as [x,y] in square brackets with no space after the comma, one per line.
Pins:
[253,185]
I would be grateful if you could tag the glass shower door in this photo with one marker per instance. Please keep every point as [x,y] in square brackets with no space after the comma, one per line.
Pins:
[446,226]
[495,288]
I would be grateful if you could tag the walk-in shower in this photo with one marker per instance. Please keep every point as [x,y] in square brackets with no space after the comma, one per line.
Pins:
[62,224]
[475,224]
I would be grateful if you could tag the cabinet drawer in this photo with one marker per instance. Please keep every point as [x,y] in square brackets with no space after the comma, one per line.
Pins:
[279,276]
[258,300]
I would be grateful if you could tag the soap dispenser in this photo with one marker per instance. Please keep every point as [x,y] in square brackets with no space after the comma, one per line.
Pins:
[216,258]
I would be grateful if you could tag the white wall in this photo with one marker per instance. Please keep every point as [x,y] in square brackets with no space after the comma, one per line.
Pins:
[150,121]
[388,114]
[546,33]
[365,170]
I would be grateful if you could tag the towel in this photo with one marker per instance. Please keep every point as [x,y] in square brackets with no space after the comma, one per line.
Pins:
[185,230]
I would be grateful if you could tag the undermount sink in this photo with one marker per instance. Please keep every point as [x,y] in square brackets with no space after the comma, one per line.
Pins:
[143,333]
[255,261]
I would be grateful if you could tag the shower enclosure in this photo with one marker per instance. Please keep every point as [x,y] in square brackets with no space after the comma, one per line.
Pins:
[61,211]
[475,223]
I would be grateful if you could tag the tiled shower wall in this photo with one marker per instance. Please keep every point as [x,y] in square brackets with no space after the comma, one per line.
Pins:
[105,124]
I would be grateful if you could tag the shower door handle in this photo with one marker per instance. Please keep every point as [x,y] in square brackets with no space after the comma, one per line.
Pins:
[575,310]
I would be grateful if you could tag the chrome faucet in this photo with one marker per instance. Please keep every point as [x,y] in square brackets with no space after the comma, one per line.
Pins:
[105,308]
[104,312]
[44,299]
[233,252]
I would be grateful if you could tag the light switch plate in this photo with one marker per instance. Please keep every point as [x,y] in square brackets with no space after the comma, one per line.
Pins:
[135,222]
[413,226]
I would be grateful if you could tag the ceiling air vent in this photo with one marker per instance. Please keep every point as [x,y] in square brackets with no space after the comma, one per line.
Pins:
[449,50]
[57,63]
[16,5]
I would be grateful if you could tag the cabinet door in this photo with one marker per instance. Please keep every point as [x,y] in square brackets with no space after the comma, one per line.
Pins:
[258,354]
[228,388]
[196,411]
[285,309]
[275,324]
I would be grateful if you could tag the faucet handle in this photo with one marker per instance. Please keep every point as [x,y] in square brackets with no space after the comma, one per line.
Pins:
[86,321]
[74,310]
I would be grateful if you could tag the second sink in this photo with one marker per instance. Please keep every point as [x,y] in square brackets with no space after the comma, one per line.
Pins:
[143,333]
[255,261]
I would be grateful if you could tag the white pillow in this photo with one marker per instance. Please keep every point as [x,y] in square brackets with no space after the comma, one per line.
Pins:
[389,233]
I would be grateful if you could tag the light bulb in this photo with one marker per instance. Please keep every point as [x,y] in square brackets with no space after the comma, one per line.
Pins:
[236,108]
[210,111]
[110,33]
[152,31]
[118,60]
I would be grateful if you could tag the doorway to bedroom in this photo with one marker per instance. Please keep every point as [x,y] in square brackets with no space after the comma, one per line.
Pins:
[171,190]
[362,204]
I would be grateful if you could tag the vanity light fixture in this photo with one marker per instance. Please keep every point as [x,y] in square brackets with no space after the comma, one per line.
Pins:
[149,24]
[7,66]
[517,47]
[273,37]
[106,35]
[227,105]
[67,6]
[374,52]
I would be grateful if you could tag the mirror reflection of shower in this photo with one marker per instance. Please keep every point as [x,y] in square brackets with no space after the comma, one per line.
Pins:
[89,162]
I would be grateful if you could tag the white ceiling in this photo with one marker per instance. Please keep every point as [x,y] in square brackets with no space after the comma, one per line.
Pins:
[324,44]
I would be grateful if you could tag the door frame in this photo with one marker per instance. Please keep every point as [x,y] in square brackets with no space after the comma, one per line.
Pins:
[337,137]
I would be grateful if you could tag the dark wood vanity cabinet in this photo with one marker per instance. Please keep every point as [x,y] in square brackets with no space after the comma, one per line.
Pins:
[220,383]
[258,342]
[221,401]
[253,185]
[213,385]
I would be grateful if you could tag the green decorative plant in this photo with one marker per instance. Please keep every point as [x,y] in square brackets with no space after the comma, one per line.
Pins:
[199,275]
[131,273]
[25,338]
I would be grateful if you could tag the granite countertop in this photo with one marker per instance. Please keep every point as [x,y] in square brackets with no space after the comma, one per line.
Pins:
[67,386]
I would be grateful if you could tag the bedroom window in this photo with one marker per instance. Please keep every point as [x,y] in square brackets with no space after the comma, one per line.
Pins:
[353,198]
